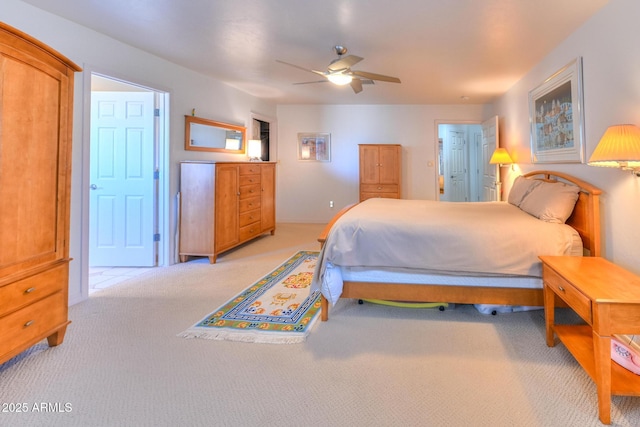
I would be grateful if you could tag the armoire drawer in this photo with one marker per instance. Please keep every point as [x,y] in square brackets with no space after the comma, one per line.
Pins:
[249,204]
[28,323]
[26,291]
[365,196]
[249,179]
[379,188]
[249,217]
[249,231]
[247,191]
[250,169]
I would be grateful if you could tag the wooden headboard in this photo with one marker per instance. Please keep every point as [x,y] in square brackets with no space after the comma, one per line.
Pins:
[586,215]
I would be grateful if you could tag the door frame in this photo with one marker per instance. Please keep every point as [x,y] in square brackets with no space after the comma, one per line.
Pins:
[439,122]
[161,210]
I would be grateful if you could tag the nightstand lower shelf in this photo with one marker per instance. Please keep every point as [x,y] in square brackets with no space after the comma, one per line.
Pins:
[579,341]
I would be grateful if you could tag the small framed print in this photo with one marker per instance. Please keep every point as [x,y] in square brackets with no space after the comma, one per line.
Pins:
[314,147]
[556,117]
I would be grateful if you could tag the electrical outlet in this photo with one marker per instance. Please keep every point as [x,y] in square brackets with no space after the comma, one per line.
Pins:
[330,203]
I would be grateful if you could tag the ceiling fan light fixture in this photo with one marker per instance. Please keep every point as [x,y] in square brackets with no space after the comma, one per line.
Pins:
[340,79]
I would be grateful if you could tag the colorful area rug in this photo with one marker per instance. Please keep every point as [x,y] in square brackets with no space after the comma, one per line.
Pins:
[277,309]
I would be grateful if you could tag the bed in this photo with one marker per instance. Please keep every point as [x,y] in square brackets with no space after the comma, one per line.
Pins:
[367,253]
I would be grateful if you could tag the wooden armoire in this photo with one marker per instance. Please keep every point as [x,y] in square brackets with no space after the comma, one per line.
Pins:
[36,108]
[380,170]
[224,204]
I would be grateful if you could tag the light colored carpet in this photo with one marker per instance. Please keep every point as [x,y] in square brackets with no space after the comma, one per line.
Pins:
[369,365]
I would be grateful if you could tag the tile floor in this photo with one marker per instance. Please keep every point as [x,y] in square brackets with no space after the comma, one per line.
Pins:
[103,277]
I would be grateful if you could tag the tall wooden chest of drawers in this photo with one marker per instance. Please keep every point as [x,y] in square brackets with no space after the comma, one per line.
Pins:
[224,204]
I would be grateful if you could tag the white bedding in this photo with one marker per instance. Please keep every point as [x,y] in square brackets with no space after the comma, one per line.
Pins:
[471,239]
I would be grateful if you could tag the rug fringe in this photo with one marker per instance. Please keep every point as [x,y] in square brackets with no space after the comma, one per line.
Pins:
[249,337]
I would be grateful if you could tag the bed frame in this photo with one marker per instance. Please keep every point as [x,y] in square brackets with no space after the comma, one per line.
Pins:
[585,219]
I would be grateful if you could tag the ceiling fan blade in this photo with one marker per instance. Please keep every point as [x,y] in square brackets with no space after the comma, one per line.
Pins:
[374,76]
[306,83]
[301,68]
[356,85]
[344,63]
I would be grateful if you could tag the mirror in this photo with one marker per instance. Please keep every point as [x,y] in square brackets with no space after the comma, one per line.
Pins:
[207,135]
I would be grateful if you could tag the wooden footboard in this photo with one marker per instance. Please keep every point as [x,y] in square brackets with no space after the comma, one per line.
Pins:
[585,219]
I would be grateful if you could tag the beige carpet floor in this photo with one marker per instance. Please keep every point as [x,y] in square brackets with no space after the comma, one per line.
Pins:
[369,365]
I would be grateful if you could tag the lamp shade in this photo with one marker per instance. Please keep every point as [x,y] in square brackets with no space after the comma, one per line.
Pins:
[254,149]
[500,157]
[619,147]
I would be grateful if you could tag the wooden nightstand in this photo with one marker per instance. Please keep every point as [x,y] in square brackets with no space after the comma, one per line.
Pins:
[607,298]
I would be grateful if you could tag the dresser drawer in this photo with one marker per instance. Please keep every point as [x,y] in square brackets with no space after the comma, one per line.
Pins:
[249,231]
[379,188]
[26,291]
[249,179]
[32,321]
[247,191]
[249,217]
[365,196]
[249,169]
[565,290]
[249,204]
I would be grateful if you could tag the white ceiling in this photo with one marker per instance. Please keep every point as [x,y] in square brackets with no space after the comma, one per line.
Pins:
[442,50]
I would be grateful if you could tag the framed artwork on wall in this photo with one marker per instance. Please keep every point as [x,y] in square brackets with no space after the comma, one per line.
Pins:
[314,147]
[556,117]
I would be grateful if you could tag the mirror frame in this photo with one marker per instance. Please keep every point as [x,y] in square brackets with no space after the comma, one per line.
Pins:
[206,122]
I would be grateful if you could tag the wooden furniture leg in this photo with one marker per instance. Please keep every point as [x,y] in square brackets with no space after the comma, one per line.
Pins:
[549,314]
[324,309]
[602,359]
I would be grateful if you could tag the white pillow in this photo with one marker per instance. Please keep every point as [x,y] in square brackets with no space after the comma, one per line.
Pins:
[520,188]
[551,202]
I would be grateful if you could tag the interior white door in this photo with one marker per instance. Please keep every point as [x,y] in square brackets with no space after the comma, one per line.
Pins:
[455,145]
[490,173]
[122,180]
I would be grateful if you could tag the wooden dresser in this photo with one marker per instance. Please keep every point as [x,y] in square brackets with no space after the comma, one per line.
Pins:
[380,170]
[36,110]
[224,204]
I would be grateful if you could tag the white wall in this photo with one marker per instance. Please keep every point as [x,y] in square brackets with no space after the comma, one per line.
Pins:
[305,188]
[96,52]
[608,44]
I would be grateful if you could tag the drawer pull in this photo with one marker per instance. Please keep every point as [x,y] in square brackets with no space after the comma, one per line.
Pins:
[561,288]
[379,188]
[31,289]
[29,323]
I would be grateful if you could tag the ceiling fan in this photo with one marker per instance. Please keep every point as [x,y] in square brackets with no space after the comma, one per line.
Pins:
[339,72]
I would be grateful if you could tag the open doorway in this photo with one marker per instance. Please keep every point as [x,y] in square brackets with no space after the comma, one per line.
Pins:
[124,221]
[264,128]
[463,153]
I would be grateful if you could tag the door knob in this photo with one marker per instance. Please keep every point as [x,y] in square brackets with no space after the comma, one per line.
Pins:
[93,187]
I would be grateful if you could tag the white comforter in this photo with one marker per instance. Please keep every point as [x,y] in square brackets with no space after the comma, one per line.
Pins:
[486,238]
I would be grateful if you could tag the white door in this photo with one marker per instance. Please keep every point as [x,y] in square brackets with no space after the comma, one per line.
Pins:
[455,145]
[122,180]
[490,173]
